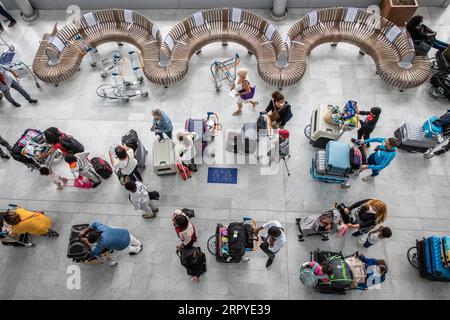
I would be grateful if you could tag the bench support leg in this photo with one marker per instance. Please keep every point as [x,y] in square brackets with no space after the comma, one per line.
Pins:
[249,53]
[224,44]
[361,52]
[198,52]
[334,44]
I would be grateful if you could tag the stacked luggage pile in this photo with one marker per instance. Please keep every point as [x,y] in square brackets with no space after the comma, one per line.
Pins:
[433,258]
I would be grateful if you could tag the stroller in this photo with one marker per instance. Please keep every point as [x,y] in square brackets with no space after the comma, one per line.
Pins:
[341,277]
[440,85]
[79,253]
[314,224]
[29,147]
[353,217]
[432,257]
[337,162]
[230,242]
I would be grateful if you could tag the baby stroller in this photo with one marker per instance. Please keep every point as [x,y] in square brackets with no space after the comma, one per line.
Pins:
[340,276]
[440,85]
[314,224]
[337,162]
[432,257]
[29,147]
[230,242]
[79,253]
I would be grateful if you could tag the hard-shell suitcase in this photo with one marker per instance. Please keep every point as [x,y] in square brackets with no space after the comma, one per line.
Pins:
[446,248]
[234,142]
[250,134]
[337,158]
[321,161]
[435,266]
[76,249]
[411,138]
[199,127]
[141,154]
[132,141]
[322,131]
[164,157]
[184,171]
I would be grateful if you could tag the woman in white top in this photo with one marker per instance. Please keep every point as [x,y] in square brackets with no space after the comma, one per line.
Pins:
[242,87]
[125,162]
[185,149]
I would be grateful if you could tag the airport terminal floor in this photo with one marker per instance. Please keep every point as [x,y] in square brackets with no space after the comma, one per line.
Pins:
[415,189]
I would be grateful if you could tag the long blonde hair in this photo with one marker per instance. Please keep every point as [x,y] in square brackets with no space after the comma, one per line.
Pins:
[380,209]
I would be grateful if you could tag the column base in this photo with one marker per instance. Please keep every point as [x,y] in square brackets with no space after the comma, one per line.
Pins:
[31,18]
[278,18]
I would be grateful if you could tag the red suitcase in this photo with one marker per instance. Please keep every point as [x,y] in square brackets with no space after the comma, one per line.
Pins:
[183,170]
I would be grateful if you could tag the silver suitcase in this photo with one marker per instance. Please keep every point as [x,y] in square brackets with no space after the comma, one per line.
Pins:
[321,158]
[411,136]
[164,157]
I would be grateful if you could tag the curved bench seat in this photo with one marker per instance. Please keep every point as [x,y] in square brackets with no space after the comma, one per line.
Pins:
[280,63]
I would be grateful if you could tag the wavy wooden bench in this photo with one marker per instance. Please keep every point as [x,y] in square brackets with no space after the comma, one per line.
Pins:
[280,63]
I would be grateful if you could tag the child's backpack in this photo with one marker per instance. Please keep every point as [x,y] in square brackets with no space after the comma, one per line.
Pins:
[308,277]
[430,128]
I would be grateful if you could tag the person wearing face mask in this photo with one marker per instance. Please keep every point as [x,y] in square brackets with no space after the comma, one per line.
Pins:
[370,212]
[376,270]
[279,109]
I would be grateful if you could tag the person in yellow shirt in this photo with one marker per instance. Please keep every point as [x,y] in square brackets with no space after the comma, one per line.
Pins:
[32,222]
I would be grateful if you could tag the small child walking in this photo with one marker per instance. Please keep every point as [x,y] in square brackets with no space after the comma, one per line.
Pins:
[374,236]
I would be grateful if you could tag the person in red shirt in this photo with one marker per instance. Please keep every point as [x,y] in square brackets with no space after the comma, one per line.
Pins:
[368,124]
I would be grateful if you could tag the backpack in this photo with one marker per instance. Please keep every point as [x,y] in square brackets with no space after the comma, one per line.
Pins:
[102,167]
[341,275]
[236,240]
[52,135]
[194,260]
[261,123]
[71,144]
[355,158]
[308,277]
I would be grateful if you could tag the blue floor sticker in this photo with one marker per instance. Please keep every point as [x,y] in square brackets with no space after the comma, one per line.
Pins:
[222,175]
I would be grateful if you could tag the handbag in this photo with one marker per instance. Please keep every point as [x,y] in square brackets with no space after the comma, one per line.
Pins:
[153,195]
[247,95]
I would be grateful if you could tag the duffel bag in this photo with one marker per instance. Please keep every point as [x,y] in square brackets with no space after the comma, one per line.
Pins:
[341,274]
[358,269]
[236,240]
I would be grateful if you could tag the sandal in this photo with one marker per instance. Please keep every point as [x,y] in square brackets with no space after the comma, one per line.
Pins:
[237,113]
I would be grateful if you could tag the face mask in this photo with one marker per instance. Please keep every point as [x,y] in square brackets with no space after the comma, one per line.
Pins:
[371,210]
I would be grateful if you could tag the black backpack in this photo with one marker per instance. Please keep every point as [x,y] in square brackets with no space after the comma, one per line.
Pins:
[194,260]
[236,240]
[261,123]
[131,140]
[71,144]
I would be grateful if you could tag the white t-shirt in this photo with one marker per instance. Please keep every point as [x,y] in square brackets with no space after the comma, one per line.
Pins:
[128,165]
[279,241]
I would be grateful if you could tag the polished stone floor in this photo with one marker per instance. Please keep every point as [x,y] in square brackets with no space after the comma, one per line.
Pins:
[416,190]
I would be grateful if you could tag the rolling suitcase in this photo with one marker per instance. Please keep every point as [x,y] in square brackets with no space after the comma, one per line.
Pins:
[164,157]
[76,250]
[141,155]
[412,139]
[184,171]
[132,141]
[321,162]
[250,134]
[101,167]
[337,156]
[234,142]
[435,266]
[199,127]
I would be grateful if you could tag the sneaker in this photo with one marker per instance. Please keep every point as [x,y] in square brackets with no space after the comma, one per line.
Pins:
[17,105]
[269,263]
[368,178]
[237,113]
[5,156]
[135,253]
[12,23]
[155,211]
[32,101]
[148,215]
[113,263]
[245,259]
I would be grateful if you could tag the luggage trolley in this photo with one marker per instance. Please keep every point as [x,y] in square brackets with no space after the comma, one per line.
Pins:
[21,69]
[431,256]
[219,244]
[224,70]
[94,56]
[327,124]
[122,88]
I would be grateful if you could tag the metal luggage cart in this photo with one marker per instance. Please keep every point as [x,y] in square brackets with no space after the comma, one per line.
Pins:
[21,70]
[94,56]
[123,88]
[224,70]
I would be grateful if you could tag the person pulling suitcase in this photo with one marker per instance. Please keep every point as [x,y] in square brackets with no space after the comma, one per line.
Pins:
[382,156]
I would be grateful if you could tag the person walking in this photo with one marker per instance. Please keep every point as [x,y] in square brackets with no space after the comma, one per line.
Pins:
[140,199]
[7,15]
[243,91]
[27,221]
[275,240]
[8,147]
[7,82]
[280,110]
[161,124]
[100,238]
[185,149]
[381,157]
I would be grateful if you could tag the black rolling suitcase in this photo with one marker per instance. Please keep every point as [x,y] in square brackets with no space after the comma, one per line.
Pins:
[77,251]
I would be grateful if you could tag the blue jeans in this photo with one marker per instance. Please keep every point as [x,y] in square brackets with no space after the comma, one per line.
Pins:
[371,162]
[440,45]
